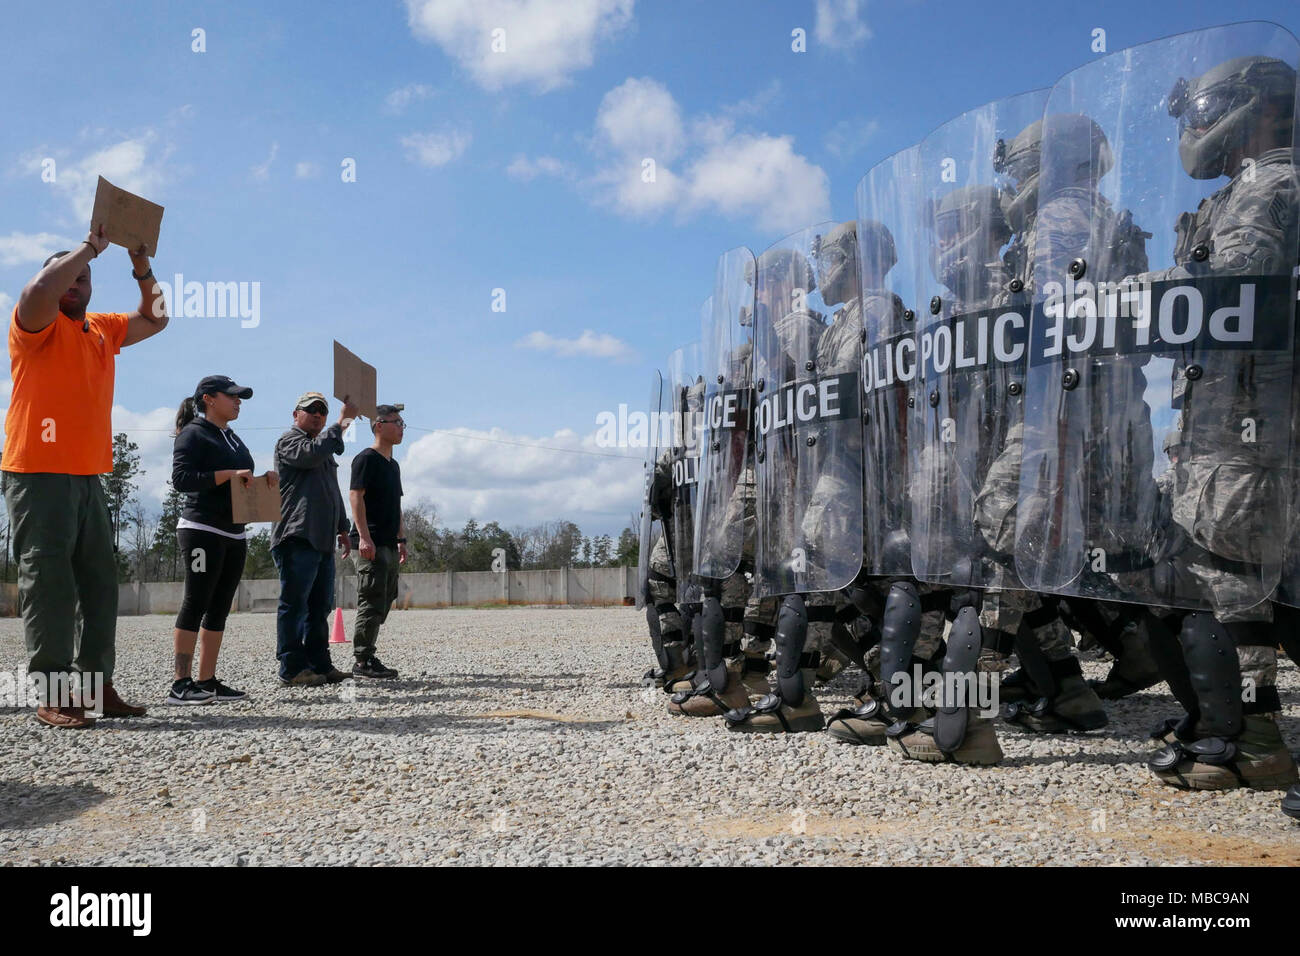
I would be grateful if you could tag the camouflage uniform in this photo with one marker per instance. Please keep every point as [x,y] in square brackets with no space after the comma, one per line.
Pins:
[1223,489]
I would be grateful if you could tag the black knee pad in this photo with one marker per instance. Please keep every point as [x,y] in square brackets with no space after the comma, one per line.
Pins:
[961,657]
[1211,656]
[791,636]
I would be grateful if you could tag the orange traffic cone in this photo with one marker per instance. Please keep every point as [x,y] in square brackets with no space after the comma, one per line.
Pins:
[336,632]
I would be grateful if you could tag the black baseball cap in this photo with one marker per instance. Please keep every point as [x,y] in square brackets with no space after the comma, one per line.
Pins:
[221,383]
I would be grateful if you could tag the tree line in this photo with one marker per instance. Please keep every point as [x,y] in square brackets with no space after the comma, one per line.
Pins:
[147,551]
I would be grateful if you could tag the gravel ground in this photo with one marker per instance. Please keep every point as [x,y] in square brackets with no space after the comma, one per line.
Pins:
[523,736]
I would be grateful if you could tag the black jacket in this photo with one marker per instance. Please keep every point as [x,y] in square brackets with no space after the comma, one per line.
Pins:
[311,504]
[201,450]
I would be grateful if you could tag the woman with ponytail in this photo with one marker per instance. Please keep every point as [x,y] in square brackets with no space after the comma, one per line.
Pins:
[207,456]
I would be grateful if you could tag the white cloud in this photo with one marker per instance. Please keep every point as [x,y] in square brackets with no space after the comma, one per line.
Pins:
[545,41]
[262,171]
[589,344]
[6,306]
[126,164]
[19,248]
[526,170]
[640,118]
[398,100]
[7,386]
[719,169]
[306,170]
[839,23]
[848,137]
[436,149]
[520,479]
[762,177]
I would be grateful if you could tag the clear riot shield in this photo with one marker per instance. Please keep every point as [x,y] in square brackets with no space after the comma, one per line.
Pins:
[886,224]
[685,401]
[650,519]
[973,322]
[725,476]
[1158,401]
[807,422]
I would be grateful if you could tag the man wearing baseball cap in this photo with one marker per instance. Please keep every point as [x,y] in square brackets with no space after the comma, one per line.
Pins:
[312,521]
[58,441]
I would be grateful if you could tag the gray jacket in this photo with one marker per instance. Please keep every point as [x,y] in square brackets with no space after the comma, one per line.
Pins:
[311,505]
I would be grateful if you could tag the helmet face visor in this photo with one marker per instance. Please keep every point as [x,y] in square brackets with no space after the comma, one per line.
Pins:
[1202,110]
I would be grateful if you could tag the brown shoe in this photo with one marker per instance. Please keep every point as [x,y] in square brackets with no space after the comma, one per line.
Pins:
[68,718]
[115,706]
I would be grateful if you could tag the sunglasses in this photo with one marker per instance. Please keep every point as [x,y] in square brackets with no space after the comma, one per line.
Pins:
[390,421]
[317,409]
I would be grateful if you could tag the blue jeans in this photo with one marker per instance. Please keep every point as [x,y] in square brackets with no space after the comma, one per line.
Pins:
[306,599]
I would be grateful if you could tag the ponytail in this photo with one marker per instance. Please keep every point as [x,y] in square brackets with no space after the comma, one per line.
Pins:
[185,414]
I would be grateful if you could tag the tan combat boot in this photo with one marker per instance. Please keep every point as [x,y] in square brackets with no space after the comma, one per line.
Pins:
[1257,758]
[772,715]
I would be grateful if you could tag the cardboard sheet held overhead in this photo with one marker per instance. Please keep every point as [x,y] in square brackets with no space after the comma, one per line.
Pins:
[128,220]
[254,502]
[354,380]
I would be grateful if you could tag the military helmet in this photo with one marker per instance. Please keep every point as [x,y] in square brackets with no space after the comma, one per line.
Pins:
[836,254]
[876,249]
[1080,154]
[784,264]
[1219,111]
[969,229]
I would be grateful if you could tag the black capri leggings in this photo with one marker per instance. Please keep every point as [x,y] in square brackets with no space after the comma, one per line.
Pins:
[213,567]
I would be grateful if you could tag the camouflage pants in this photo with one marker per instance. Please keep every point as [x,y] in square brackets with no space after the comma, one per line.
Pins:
[1004,609]
[663,591]
[1258,666]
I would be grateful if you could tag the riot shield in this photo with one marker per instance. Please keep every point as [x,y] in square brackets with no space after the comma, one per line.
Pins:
[973,322]
[1158,399]
[886,225]
[725,479]
[685,402]
[807,422]
[650,520]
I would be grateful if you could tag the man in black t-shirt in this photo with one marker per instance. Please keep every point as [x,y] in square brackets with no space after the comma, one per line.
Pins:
[378,537]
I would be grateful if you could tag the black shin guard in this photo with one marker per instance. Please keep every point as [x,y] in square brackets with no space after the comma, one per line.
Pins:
[791,635]
[959,668]
[899,629]
[1215,674]
[713,630]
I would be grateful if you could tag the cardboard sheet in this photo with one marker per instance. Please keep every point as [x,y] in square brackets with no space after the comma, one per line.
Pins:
[128,220]
[355,380]
[256,502]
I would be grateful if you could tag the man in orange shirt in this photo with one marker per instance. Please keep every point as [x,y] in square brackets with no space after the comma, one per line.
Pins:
[58,441]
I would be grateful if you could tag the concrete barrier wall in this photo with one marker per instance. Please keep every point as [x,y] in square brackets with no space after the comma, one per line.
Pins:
[578,586]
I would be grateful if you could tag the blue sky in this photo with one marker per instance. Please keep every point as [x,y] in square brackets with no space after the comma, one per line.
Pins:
[518,170]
